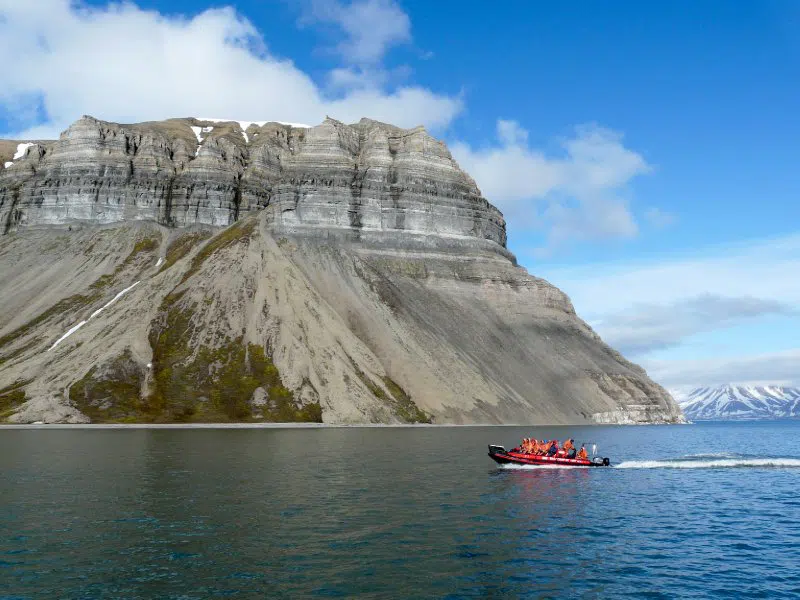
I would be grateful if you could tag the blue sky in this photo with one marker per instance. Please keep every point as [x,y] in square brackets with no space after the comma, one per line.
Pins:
[643,153]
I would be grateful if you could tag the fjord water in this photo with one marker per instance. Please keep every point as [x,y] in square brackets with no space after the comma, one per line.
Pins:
[707,510]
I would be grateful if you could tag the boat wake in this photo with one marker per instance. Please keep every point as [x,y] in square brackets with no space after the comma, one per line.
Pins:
[724,461]
[538,467]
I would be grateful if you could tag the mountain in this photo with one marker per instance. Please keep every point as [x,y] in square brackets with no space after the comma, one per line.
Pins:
[740,402]
[208,270]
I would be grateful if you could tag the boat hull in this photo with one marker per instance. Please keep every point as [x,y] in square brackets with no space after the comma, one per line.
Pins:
[509,457]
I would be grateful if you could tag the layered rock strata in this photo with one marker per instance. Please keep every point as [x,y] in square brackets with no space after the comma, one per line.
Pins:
[368,179]
[197,271]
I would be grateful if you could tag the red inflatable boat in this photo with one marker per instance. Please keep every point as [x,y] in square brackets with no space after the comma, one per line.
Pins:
[505,457]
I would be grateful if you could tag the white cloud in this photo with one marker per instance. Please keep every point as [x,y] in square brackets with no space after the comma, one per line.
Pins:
[511,134]
[646,327]
[369,27]
[778,368]
[352,78]
[659,218]
[579,195]
[125,64]
[646,305]
[762,268]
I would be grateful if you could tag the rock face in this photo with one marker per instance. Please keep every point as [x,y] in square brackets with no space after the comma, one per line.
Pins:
[368,179]
[193,270]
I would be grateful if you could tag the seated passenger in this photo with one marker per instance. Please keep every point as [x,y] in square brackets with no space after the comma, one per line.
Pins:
[582,453]
[569,448]
[553,450]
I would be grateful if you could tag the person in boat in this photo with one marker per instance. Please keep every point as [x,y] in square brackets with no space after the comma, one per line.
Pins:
[569,448]
[582,454]
[553,449]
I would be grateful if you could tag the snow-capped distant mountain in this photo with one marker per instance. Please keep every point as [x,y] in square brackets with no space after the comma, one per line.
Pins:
[728,402]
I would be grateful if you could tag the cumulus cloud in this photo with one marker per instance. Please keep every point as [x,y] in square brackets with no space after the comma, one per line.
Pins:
[764,268]
[369,27]
[644,306]
[659,218]
[580,194]
[778,368]
[646,327]
[122,63]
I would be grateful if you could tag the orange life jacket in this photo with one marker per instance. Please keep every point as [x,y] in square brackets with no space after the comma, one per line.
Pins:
[582,453]
[568,446]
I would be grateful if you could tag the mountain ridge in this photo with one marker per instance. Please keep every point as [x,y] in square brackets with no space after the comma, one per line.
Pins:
[371,179]
[731,402]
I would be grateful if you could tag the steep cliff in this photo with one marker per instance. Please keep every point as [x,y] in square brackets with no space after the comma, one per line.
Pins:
[368,178]
[213,271]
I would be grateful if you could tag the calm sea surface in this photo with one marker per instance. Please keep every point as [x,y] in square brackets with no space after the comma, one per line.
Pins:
[708,510]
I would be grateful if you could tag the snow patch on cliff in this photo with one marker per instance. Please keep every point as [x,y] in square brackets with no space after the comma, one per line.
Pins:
[114,299]
[21,149]
[93,315]
[66,335]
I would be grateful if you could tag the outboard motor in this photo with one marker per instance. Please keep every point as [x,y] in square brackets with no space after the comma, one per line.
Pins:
[599,460]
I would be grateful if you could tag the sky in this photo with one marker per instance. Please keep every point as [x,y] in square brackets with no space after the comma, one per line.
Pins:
[643,154]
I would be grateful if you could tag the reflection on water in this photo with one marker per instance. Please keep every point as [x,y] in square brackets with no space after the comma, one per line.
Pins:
[395,513]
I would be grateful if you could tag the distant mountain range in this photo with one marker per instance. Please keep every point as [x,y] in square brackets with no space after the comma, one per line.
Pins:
[730,402]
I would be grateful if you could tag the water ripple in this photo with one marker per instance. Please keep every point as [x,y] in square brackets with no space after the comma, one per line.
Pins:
[411,513]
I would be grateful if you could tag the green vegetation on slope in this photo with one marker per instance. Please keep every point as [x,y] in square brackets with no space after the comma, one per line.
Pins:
[18,352]
[71,303]
[181,246]
[144,245]
[216,384]
[241,231]
[398,400]
[219,382]
[11,397]
[110,393]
